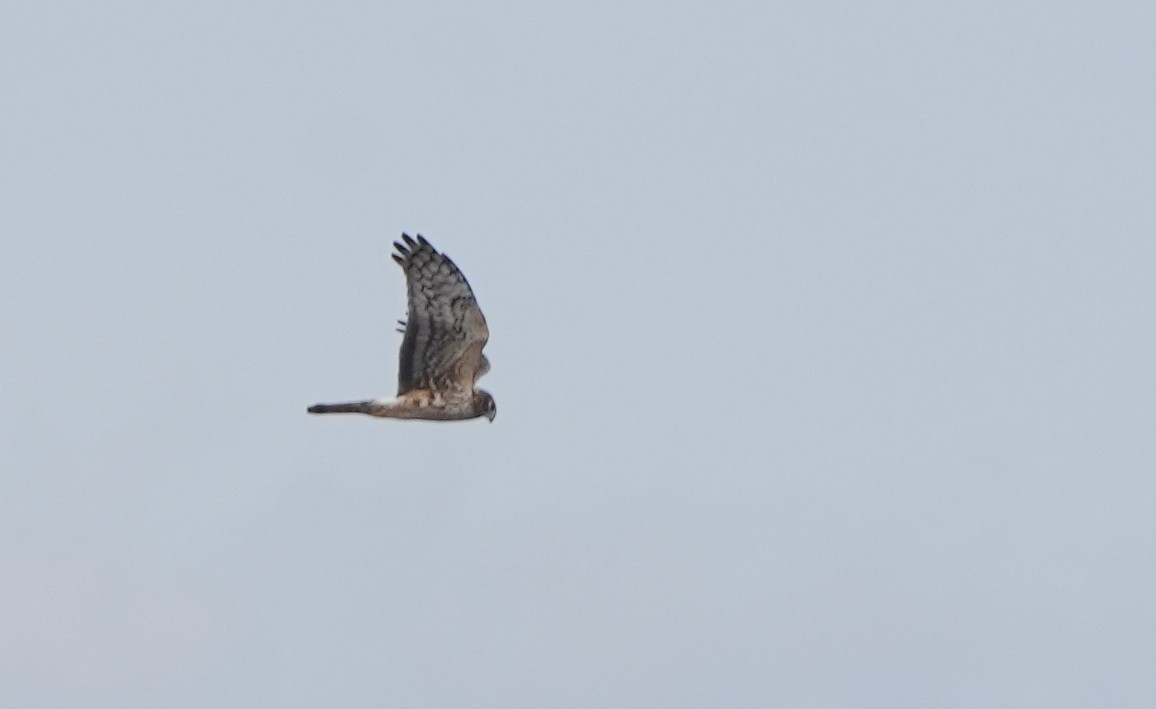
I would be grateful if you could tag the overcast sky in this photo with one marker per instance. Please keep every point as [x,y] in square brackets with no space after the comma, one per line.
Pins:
[822,341]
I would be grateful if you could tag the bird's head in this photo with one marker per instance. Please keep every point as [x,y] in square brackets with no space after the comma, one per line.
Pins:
[484,404]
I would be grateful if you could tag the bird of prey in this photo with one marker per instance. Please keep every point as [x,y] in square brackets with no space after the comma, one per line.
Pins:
[441,353]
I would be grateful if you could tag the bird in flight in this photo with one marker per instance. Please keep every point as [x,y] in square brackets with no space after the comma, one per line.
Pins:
[441,354]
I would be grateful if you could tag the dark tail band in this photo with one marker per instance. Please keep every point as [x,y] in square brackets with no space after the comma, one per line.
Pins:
[354,407]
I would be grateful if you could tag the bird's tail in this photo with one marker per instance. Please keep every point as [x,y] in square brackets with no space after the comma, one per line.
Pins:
[353,407]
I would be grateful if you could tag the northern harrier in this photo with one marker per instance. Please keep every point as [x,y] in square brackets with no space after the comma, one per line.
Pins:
[441,354]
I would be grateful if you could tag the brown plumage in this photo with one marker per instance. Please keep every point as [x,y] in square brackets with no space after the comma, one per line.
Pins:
[441,353]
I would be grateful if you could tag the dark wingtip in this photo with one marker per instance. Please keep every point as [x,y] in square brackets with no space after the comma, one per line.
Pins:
[421,240]
[399,259]
[409,240]
[315,409]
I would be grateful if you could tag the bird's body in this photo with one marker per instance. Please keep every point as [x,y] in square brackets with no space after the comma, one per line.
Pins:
[441,356]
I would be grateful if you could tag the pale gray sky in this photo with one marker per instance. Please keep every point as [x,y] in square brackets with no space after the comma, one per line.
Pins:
[822,338]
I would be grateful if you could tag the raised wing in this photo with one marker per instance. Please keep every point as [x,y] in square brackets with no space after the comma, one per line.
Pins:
[445,330]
